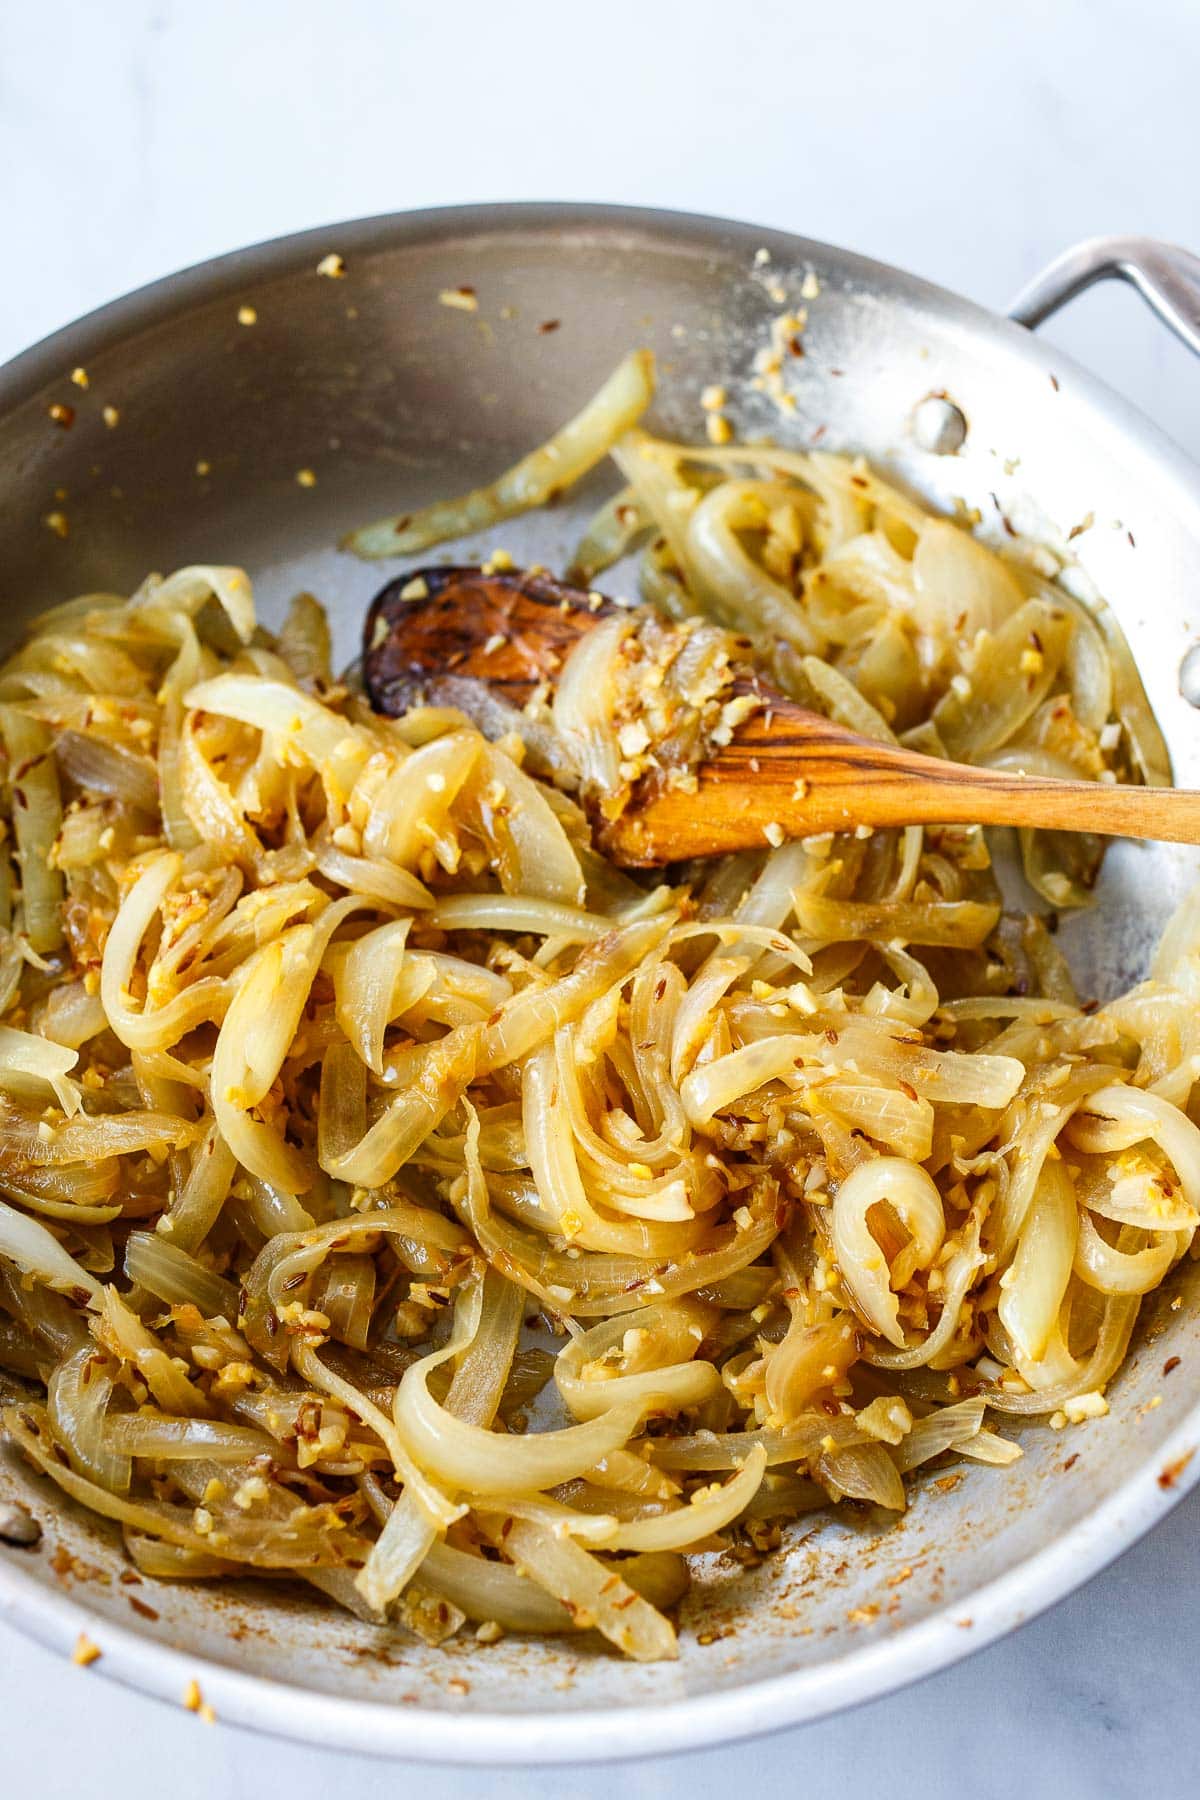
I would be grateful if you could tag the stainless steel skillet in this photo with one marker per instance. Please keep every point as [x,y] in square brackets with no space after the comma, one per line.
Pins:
[229,381]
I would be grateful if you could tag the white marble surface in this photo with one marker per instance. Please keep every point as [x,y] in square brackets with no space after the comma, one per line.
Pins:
[967,143]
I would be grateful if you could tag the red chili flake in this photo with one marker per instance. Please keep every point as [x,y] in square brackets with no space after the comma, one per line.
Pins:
[1054,382]
[816,436]
[795,346]
[1070,1462]
[140,1607]
[1132,540]
[62,415]
[859,481]
[402,524]
[831,1036]
[1089,1007]
[1172,1362]
[549,325]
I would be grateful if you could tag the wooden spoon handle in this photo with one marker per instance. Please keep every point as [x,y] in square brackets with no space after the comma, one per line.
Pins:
[792,773]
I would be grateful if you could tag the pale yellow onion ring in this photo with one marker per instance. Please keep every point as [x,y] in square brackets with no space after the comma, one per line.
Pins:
[38,1252]
[864,1268]
[675,1383]
[152,1028]
[27,1057]
[409,811]
[1033,1285]
[472,1460]
[595,1591]
[1114,1271]
[550,1145]
[1115,1118]
[706,1512]
[254,1040]
[718,1084]
[709,1510]
[364,982]
[301,726]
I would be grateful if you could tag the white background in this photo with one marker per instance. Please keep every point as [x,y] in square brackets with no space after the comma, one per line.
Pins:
[968,142]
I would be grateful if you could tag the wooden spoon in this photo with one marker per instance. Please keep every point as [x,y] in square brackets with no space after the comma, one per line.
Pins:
[482,642]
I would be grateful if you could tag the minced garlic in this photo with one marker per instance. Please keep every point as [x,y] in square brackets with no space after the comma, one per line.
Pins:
[1085,1406]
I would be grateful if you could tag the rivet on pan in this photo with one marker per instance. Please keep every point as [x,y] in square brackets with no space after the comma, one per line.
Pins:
[1189,676]
[938,426]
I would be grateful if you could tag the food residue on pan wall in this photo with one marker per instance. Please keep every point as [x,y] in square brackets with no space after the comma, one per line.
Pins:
[1169,1476]
[461,299]
[194,1701]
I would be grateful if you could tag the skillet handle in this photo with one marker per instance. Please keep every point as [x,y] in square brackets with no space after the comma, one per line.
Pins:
[1167,278]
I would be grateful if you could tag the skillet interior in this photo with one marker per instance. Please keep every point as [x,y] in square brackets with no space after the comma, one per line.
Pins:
[391,398]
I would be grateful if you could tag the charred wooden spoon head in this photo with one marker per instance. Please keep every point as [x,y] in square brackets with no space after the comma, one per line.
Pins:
[426,634]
